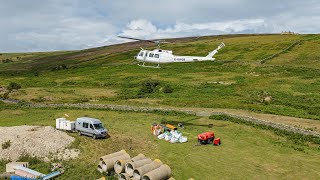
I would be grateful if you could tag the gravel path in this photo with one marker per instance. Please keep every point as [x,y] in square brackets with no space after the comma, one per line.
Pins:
[39,141]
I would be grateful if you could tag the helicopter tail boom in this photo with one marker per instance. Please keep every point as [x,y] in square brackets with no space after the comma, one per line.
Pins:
[212,53]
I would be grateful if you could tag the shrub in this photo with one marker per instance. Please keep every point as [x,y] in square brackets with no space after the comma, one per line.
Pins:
[5,95]
[7,61]
[6,144]
[13,86]
[167,89]
[149,86]
[59,67]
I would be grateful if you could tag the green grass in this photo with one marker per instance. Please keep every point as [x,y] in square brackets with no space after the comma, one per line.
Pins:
[298,139]
[246,152]
[6,144]
[106,75]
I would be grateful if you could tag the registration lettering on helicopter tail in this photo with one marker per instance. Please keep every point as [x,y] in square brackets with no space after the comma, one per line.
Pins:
[179,59]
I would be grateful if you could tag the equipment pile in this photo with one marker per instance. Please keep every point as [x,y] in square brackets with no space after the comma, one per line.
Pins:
[20,171]
[168,132]
[138,167]
[208,138]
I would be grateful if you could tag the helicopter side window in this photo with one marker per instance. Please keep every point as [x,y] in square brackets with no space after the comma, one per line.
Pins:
[156,55]
[151,55]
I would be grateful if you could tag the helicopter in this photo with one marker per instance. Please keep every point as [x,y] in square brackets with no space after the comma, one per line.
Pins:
[159,56]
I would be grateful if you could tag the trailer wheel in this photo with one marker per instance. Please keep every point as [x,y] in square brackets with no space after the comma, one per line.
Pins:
[79,132]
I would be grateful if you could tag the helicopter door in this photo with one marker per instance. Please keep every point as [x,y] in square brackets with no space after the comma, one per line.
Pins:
[145,55]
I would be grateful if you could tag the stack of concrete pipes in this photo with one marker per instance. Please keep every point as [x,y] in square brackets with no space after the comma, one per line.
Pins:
[137,168]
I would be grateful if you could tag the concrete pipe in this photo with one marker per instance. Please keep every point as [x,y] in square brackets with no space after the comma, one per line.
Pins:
[113,155]
[99,168]
[124,176]
[138,157]
[171,178]
[130,166]
[139,172]
[161,173]
[119,166]
[108,164]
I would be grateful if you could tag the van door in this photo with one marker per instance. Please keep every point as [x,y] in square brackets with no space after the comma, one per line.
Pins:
[91,130]
[85,128]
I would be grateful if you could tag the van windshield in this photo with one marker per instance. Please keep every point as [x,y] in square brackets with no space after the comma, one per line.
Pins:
[98,126]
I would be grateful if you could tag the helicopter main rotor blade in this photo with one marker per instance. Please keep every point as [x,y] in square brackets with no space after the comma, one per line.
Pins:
[157,41]
[136,39]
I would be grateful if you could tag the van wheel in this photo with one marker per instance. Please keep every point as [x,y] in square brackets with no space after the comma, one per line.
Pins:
[79,132]
[94,136]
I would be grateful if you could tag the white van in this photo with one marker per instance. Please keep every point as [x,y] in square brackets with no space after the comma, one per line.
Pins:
[91,127]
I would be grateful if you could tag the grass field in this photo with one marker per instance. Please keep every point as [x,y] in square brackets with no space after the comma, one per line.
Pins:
[237,80]
[246,152]
[105,75]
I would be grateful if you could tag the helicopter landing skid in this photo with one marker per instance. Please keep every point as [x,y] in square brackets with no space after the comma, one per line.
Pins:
[149,66]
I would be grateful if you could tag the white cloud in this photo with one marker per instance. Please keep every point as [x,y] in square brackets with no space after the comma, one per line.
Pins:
[36,25]
[63,34]
[226,26]
[145,29]
[140,28]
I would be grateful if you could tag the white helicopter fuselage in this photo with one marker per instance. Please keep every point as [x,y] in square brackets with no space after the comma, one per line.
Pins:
[160,56]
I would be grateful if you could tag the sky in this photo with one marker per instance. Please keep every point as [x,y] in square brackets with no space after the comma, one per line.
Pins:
[38,25]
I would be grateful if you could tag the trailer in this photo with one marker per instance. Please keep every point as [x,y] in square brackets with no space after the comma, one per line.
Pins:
[64,124]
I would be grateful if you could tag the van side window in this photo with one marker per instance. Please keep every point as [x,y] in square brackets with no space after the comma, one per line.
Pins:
[85,125]
[156,55]
[91,126]
[151,55]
